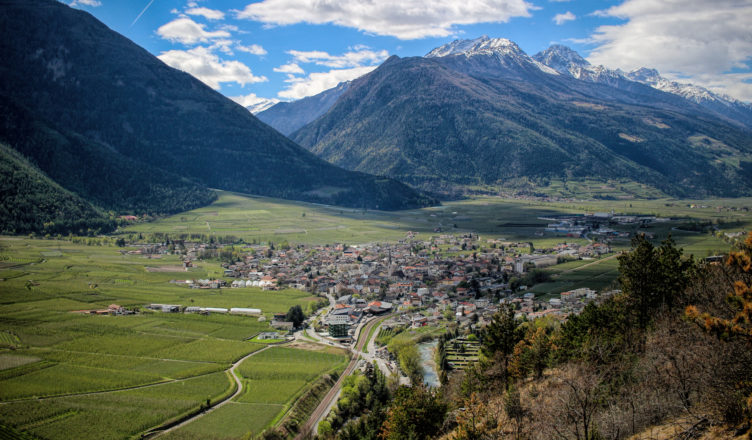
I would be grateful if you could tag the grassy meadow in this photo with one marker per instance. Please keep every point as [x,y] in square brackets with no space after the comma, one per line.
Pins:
[72,375]
[264,219]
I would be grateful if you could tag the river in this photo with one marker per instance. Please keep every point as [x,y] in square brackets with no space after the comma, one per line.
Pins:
[430,376]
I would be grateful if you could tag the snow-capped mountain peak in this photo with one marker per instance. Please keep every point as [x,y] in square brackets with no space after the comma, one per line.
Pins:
[499,54]
[562,59]
[644,75]
[479,46]
[568,62]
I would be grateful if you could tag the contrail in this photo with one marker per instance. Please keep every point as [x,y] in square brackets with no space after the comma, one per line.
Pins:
[142,12]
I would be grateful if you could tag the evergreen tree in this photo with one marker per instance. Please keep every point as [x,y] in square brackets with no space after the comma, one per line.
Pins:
[295,315]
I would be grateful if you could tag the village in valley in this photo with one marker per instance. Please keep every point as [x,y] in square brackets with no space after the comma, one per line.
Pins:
[444,278]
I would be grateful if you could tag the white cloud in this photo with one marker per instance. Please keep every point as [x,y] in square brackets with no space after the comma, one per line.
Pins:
[291,68]
[91,3]
[224,46]
[318,82]
[209,68]
[699,39]
[187,31]
[349,59]
[255,104]
[560,19]
[209,14]
[402,19]
[254,49]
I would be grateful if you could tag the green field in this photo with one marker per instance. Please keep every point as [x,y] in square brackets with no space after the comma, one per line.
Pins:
[272,380]
[113,376]
[263,219]
[116,415]
[233,421]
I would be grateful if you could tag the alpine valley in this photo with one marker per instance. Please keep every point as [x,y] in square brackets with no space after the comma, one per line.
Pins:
[114,125]
[483,114]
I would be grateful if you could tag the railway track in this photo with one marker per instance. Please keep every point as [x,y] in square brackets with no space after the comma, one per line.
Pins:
[323,406]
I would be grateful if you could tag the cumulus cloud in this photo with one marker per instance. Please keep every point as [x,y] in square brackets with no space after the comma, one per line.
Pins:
[398,18]
[186,31]
[254,49]
[291,68]
[255,104]
[209,68]
[697,39]
[560,19]
[359,57]
[92,3]
[316,83]
[209,14]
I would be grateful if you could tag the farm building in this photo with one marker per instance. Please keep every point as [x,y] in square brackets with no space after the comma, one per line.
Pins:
[245,311]
[270,335]
[165,308]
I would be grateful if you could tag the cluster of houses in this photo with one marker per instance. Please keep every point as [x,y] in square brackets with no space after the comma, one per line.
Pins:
[457,276]
[568,303]
[595,224]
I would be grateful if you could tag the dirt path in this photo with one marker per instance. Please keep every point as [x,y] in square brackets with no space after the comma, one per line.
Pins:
[238,382]
[588,264]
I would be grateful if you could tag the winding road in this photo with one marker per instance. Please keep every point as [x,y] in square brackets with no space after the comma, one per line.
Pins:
[156,432]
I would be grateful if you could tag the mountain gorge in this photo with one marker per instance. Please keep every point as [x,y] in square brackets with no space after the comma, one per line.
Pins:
[482,112]
[113,124]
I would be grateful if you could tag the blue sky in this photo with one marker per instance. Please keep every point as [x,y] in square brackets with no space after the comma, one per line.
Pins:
[267,50]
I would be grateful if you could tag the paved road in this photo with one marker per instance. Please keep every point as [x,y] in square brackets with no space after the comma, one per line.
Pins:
[226,400]
[326,402]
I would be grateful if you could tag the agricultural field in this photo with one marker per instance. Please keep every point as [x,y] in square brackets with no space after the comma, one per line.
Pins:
[233,421]
[262,219]
[61,371]
[461,352]
[272,380]
[73,375]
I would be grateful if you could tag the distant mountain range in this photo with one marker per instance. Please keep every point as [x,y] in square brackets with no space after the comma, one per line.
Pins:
[287,117]
[568,62]
[111,123]
[482,112]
